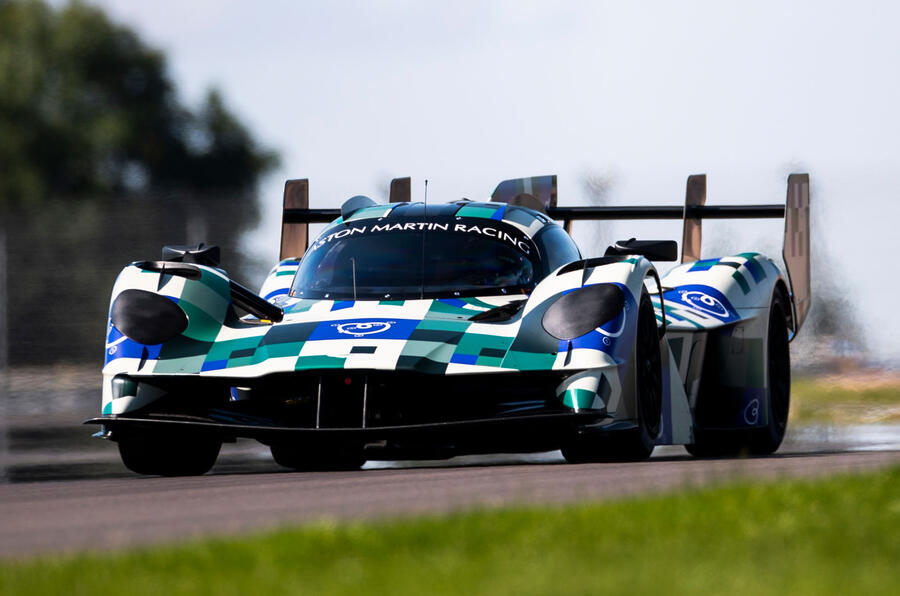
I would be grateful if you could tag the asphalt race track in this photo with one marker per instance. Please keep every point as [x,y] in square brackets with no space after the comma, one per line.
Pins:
[89,501]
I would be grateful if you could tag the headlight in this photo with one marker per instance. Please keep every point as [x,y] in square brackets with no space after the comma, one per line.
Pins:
[146,317]
[583,310]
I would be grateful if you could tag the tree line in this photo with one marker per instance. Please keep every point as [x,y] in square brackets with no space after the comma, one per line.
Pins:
[87,109]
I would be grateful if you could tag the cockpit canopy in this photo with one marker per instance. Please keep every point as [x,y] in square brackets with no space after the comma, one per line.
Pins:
[439,256]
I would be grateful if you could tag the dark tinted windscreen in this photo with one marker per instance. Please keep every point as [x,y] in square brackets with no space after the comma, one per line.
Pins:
[390,265]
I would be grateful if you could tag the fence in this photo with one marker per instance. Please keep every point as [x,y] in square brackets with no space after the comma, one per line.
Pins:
[62,260]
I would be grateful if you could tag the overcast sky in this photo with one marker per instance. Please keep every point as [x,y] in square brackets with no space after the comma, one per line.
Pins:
[639,93]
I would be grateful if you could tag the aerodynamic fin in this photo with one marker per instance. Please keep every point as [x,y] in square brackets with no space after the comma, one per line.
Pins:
[400,190]
[537,192]
[796,246]
[354,204]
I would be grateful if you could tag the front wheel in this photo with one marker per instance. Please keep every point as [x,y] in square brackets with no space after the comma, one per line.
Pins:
[167,454]
[635,444]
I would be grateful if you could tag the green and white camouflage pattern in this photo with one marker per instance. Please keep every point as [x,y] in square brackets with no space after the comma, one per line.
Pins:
[721,302]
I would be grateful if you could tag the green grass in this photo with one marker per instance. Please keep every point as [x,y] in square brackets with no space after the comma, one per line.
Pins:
[834,536]
[815,400]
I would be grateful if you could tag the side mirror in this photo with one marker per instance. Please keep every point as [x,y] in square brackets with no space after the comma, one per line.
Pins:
[655,250]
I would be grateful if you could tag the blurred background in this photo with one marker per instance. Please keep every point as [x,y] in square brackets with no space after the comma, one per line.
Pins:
[125,126]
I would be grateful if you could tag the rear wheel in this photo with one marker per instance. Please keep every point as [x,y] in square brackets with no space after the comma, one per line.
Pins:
[765,440]
[169,453]
[318,458]
[715,444]
[768,439]
[634,444]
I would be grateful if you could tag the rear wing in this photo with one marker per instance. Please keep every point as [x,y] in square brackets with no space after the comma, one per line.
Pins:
[795,212]
[539,193]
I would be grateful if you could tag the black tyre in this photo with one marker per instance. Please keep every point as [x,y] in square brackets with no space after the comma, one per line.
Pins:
[716,444]
[766,440]
[320,458]
[635,444]
[167,454]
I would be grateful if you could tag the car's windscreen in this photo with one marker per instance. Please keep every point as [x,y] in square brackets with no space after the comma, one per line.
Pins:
[458,259]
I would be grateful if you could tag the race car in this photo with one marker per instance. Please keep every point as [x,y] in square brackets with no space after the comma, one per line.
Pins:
[415,330]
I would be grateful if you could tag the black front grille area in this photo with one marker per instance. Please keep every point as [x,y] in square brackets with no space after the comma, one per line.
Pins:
[375,399]
[341,403]
[359,399]
[398,400]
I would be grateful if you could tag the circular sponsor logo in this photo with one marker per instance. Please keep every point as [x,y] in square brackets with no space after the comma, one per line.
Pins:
[751,412]
[704,302]
[365,328]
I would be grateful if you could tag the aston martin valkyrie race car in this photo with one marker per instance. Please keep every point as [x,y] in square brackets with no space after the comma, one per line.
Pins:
[422,331]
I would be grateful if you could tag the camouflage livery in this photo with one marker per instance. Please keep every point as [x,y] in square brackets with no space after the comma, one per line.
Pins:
[710,312]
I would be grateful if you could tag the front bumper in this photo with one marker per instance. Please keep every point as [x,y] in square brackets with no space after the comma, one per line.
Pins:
[396,411]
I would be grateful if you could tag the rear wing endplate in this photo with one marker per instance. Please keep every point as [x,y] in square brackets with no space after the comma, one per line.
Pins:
[691,237]
[294,234]
[796,246]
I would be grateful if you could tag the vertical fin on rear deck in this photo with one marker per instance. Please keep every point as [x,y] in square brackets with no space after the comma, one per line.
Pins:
[796,246]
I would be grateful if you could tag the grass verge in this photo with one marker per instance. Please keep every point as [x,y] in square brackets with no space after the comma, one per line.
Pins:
[834,536]
[844,401]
